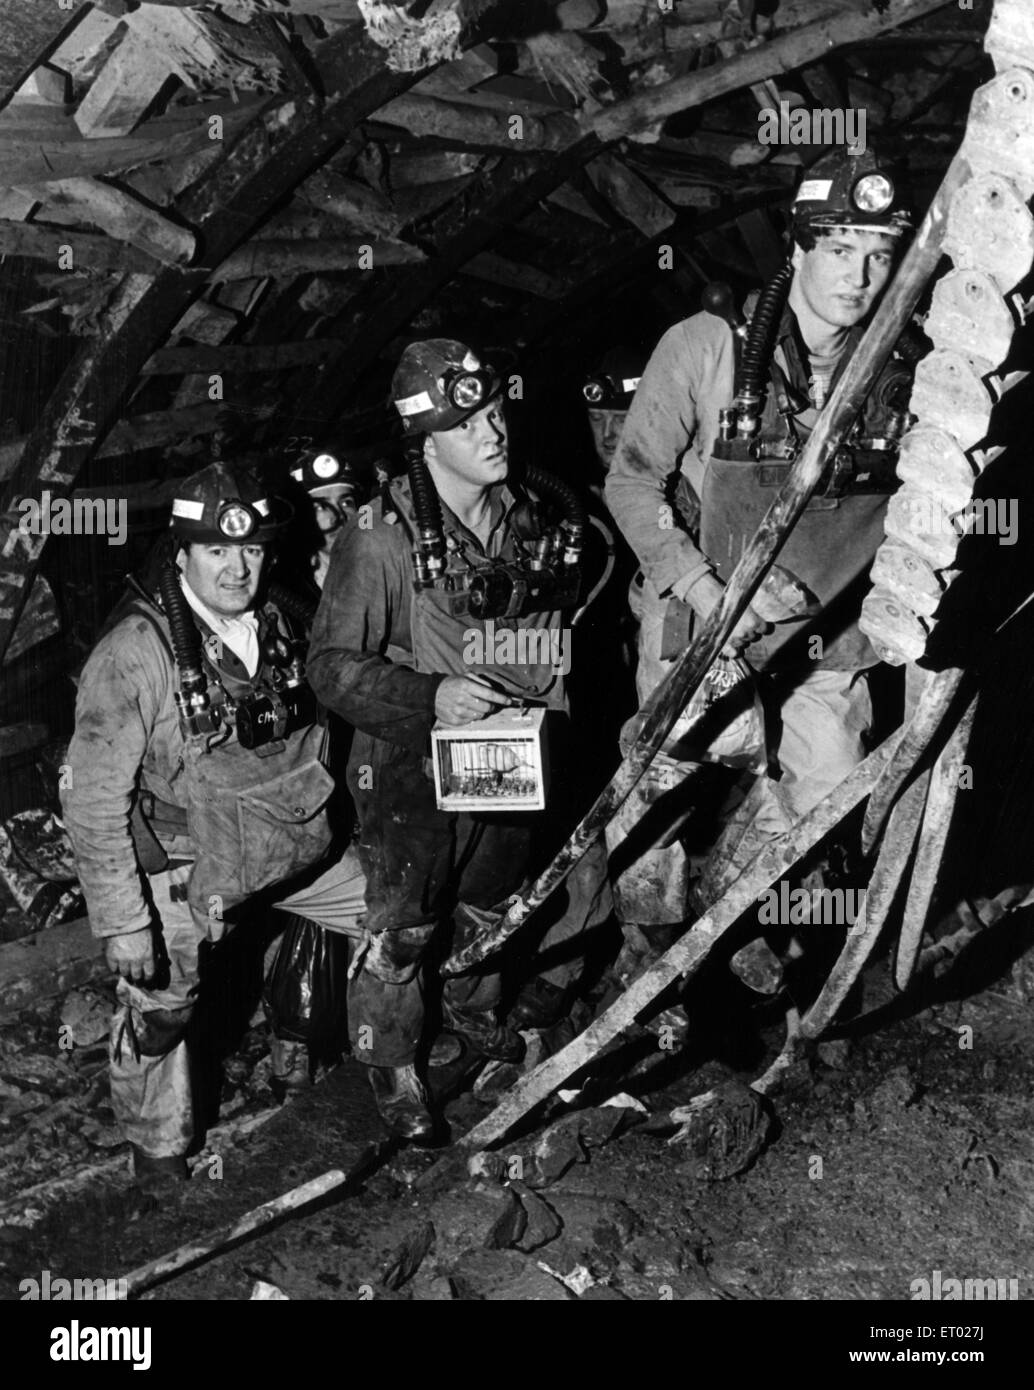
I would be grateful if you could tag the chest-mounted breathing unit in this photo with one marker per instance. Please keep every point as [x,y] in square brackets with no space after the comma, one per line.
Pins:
[761,425]
[275,705]
[544,575]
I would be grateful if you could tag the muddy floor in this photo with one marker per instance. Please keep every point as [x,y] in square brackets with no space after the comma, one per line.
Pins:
[903,1147]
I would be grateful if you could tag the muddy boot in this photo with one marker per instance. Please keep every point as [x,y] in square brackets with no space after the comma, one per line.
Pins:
[539,1005]
[158,1175]
[481,1030]
[402,1102]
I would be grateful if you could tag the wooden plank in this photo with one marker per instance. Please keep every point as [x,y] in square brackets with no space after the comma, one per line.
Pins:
[32,152]
[630,195]
[122,216]
[496,270]
[288,259]
[40,242]
[471,126]
[28,32]
[234,358]
[125,87]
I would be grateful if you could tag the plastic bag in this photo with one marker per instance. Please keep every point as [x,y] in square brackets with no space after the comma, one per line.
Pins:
[724,722]
[305,988]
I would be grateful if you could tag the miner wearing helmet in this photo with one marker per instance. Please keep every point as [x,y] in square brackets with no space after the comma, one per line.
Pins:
[608,392]
[719,416]
[441,607]
[330,479]
[195,783]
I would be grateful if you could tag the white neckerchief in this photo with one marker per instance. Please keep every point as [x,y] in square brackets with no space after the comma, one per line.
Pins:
[239,634]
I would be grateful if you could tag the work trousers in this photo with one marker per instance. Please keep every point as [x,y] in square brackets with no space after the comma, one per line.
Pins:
[151,1091]
[425,867]
[817,721]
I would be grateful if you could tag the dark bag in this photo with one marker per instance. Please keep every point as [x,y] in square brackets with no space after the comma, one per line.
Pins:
[304,992]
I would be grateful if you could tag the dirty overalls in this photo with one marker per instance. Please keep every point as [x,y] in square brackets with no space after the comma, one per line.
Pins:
[815,692]
[424,866]
[155,852]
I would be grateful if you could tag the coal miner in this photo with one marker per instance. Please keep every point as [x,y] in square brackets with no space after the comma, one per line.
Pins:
[719,416]
[608,392]
[197,782]
[427,617]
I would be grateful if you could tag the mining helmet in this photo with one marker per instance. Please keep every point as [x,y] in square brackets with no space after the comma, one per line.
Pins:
[849,188]
[220,505]
[613,384]
[439,383]
[324,471]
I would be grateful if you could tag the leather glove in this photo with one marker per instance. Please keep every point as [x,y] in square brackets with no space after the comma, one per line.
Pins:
[131,955]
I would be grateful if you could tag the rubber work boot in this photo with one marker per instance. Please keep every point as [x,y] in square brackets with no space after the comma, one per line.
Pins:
[156,1176]
[402,1102]
[484,1034]
[539,1005]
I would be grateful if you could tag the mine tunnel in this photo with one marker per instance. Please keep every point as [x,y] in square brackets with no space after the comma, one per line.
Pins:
[515,624]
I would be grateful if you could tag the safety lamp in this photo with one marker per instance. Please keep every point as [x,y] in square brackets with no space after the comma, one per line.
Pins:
[236,521]
[600,389]
[466,390]
[873,193]
[326,466]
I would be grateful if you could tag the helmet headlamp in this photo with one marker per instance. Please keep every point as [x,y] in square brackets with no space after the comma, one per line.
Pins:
[595,390]
[236,521]
[466,390]
[326,466]
[873,193]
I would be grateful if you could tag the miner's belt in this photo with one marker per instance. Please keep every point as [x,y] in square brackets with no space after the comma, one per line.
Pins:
[164,817]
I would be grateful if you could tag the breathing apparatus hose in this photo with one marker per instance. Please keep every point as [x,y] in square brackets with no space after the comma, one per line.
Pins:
[566,499]
[293,604]
[426,506]
[760,344]
[186,639]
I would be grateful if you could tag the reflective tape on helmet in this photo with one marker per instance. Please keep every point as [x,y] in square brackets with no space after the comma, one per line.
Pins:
[814,191]
[190,511]
[630,383]
[414,405]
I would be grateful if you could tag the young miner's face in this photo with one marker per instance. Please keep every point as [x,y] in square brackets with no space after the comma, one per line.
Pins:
[606,426]
[225,577]
[475,451]
[842,276]
[328,509]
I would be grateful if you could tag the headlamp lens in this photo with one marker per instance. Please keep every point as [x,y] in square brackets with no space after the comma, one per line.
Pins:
[236,521]
[594,391]
[325,466]
[467,390]
[873,193]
